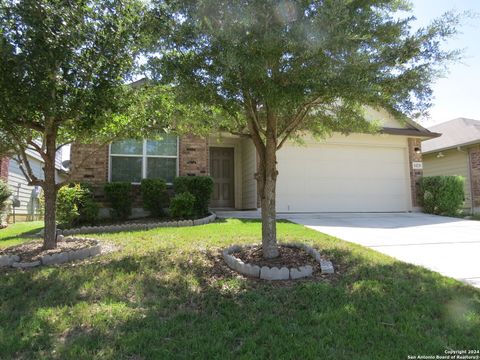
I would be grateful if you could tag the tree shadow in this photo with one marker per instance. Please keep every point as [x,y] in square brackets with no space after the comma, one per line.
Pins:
[165,305]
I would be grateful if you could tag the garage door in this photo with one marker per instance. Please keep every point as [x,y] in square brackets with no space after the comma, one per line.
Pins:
[342,178]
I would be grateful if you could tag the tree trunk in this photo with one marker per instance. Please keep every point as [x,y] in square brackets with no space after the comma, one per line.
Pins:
[50,193]
[267,185]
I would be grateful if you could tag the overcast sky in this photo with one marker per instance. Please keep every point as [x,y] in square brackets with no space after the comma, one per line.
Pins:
[457,95]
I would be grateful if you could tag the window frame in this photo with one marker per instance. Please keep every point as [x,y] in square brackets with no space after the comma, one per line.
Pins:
[144,158]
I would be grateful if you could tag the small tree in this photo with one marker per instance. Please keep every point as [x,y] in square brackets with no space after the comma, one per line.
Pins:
[277,69]
[62,69]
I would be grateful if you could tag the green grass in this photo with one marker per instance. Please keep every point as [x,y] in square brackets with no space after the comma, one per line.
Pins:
[18,233]
[164,295]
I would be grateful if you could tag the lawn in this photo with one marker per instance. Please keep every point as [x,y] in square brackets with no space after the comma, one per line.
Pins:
[165,294]
[19,232]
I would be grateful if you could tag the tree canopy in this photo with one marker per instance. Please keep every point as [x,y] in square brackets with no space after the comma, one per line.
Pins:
[276,69]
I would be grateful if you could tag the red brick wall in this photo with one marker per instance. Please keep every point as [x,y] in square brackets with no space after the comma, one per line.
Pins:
[193,156]
[4,168]
[415,175]
[474,155]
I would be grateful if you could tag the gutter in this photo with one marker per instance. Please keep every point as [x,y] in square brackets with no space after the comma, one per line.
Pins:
[410,132]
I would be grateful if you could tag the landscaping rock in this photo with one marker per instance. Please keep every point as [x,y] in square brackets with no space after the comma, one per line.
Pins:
[25,265]
[301,272]
[274,273]
[54,258]
[327,267]
[251,270]
[8,260]
[79,254]
[95,250]
[60,238]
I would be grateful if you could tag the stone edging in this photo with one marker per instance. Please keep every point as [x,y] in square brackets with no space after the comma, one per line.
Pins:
[56,258]
[130,227]
[274,273]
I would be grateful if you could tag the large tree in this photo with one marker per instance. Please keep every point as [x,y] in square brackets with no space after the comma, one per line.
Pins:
[62,69]
[278,68]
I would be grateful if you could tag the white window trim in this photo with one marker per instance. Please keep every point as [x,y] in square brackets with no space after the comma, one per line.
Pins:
[144,157]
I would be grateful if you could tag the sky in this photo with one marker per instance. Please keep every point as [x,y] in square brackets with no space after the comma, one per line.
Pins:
[458,94]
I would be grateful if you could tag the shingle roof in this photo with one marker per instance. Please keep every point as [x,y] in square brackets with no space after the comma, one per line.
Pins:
[456,132]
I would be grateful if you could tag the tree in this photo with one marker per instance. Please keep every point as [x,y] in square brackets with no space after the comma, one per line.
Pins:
[62,69]
[278,68]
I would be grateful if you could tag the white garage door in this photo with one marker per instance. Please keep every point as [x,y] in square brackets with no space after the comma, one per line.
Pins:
[342,178]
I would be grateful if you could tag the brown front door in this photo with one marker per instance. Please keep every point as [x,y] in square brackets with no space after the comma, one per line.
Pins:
[221,169]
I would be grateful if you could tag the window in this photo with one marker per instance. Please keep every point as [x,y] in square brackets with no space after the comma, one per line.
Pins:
[134,160]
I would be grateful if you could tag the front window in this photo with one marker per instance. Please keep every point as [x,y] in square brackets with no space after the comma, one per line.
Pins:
[134,160]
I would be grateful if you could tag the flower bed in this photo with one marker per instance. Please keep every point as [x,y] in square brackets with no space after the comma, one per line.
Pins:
[295,266]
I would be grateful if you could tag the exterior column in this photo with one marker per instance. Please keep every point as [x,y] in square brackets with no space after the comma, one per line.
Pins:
[193,156]
[474,162]
[415,173]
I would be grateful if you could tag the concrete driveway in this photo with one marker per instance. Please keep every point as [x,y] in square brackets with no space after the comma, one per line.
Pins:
[447,245]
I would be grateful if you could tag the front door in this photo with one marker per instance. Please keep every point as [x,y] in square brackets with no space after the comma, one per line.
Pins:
[221,169]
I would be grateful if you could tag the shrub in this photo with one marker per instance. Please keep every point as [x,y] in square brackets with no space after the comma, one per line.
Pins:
[442,195]
[201,187]
[182,206]
[76,205]
[119,195]
[154,196]
[4,195]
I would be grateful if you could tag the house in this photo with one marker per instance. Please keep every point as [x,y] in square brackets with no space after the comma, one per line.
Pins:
[456,152]
[355,173]
[26,197]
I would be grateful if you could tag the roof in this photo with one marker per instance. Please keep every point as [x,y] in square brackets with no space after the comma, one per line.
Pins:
[456,132]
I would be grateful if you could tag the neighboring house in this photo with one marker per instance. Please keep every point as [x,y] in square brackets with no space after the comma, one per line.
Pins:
[456,152]
[27,196]
[355,173]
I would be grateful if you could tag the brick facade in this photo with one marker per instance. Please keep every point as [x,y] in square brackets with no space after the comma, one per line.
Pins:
[89,163]
[193,156]
[474,157]
[4,168]
[415,174]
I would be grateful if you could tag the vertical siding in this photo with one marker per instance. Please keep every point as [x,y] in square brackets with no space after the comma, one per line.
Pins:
[249,184]
[453,163]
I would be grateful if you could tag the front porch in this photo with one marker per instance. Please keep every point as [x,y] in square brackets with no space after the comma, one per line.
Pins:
[232,165]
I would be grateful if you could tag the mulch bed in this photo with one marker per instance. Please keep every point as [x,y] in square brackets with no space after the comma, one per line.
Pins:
[290,257]
[33,250]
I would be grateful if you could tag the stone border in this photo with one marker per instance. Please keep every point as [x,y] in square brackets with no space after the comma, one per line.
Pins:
[56,258]
[136,226]
[274,273]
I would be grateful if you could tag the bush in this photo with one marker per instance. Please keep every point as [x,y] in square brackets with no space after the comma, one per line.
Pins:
[201,187]
[4,194]
[119,195]
[76,205]
[182,206]
[442,195]
[154,195]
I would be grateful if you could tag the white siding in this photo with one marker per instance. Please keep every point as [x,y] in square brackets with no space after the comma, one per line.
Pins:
[249,166]
[20,188]
[453,162]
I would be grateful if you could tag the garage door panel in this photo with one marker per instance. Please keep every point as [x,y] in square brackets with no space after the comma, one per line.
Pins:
[342,178]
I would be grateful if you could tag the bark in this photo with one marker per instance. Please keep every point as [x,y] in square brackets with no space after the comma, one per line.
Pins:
[50,193]
[267,183]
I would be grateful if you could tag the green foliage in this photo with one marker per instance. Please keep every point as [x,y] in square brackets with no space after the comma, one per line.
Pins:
[304,65]
[182,206]
[154,196]
[119,195]
[5,193]
[201,187]
[76,205]
[442,195]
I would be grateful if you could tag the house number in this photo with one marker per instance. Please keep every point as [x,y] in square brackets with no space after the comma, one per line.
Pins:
[417,165]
